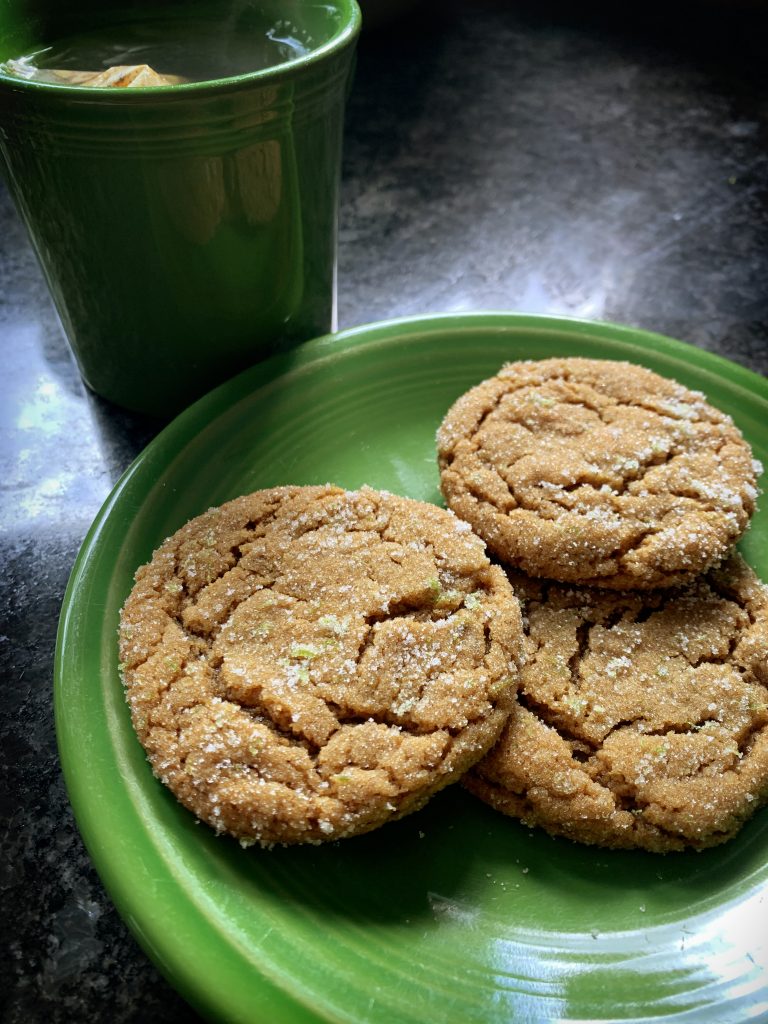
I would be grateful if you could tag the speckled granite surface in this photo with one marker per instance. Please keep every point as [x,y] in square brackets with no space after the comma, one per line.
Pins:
[531,156]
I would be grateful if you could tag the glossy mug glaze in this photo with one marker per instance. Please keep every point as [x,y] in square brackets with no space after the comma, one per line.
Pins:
[186,231]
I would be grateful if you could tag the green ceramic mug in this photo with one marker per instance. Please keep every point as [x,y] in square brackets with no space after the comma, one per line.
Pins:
[185,231]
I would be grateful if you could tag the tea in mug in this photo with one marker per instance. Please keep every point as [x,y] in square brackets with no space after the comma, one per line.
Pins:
[153,51]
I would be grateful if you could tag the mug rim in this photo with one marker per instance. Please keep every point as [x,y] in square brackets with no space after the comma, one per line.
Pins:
[342,39]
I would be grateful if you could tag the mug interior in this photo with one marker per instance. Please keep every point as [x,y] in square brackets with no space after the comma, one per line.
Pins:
[225,28]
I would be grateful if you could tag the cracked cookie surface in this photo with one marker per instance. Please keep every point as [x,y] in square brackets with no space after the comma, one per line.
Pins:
[307,663]
[642,718]
[597,472]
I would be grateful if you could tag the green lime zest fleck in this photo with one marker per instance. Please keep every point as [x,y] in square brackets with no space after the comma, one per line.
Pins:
[306,651]
[576,704]
[334,624]
[538,399]
[500,685]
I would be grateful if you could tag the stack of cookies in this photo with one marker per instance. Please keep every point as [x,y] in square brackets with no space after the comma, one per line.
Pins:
[613,497]
[304,664]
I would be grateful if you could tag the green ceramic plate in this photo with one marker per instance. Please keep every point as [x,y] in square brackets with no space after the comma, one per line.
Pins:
[455,914]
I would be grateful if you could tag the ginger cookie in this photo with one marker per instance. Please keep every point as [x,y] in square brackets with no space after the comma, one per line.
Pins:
[597,472]
[307,663]
[642,718]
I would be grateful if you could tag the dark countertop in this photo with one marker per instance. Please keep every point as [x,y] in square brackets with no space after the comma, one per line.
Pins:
[529,156]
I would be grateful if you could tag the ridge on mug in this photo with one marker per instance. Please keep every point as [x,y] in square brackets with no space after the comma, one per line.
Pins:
[177,166]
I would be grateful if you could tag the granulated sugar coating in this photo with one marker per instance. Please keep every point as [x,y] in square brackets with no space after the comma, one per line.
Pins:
[597,472]
[306,663]
[642,719]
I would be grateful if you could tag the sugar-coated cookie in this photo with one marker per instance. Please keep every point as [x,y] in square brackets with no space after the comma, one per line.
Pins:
[597,472]
[642,718]
[307,663]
